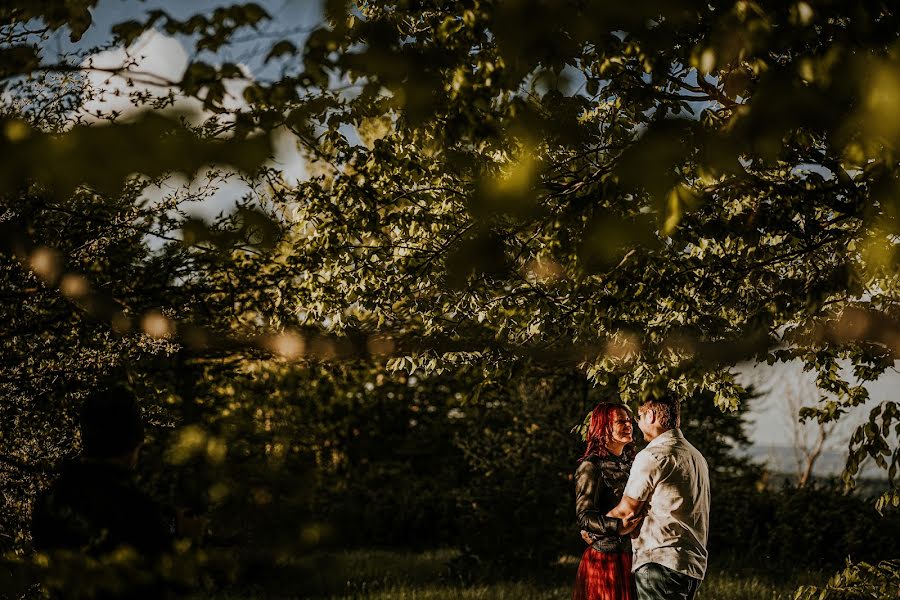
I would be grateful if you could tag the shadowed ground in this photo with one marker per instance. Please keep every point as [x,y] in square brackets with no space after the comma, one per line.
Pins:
[382,574]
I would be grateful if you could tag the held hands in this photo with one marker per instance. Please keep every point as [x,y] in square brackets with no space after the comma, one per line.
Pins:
[631,526]
[631,523]
[630,513]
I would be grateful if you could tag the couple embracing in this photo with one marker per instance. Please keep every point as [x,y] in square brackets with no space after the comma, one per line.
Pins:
[645,516]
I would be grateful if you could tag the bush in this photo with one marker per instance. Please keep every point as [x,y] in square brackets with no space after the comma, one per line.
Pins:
[816,527]
[517,512]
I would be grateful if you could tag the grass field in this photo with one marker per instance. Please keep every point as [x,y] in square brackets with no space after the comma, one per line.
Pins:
[384,575]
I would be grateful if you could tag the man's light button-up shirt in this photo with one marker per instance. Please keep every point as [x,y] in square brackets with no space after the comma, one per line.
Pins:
[673,478]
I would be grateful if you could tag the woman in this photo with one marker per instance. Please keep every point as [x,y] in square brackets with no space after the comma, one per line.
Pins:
[605,569]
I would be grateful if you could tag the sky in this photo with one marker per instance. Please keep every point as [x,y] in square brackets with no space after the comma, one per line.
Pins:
[166,56]
[286,15]
[771,417]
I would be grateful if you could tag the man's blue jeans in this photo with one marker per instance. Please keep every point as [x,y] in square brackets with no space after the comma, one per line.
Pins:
[656,582]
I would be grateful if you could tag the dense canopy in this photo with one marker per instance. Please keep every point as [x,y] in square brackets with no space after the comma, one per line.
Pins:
[647,192]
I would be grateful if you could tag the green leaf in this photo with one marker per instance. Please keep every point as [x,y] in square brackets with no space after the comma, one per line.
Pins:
[282,48]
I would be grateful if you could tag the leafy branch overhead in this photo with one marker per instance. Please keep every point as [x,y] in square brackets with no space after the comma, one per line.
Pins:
[652,192]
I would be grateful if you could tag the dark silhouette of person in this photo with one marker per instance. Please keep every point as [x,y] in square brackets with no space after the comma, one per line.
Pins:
[95,506]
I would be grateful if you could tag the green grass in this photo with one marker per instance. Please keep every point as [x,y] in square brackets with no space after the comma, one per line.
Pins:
[383,575]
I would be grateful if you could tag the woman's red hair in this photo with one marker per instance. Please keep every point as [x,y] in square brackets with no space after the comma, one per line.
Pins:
[599,429]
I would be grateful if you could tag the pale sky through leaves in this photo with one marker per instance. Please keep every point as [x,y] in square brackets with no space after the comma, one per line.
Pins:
[160,57]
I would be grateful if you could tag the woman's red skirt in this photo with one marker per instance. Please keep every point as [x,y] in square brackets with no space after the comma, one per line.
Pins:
[604,576]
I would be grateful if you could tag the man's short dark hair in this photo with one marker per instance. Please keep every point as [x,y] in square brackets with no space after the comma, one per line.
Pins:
[667,411]
[111,423]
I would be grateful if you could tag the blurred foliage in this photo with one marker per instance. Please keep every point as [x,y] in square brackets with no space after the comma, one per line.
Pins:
[643,194]
[860,580]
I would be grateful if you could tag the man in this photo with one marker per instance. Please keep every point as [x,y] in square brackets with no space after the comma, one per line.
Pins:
[94,506]
[668,488]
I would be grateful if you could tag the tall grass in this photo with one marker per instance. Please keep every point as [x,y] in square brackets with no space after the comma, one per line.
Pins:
[383,575]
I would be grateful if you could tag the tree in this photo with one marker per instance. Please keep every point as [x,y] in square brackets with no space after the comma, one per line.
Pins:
[650,195]
[647,193]
[808,439]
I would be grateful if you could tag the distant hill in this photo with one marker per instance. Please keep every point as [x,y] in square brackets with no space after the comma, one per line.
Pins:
[782,460]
